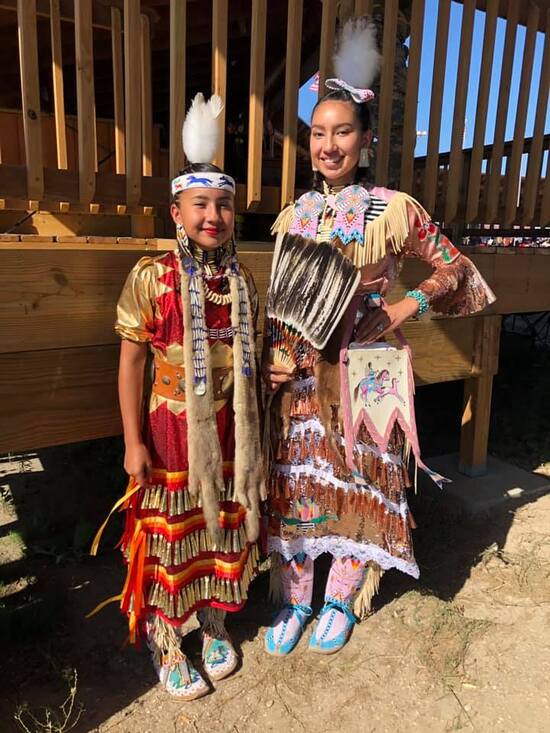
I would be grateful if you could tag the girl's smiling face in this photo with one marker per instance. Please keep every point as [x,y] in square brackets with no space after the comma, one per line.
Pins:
[207,216]
[336,140]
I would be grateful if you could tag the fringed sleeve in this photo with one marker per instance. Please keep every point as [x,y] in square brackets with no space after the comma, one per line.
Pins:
[135,315]
[455,286]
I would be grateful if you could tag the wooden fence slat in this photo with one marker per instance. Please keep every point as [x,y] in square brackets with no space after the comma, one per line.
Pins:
[434,128]
[494,176]
[363,7]
[292,82]
[545,204]
[132,63]
[476,159]
[146,98]
[513,169]
[118,89]
[256,104]
[30,97]
[58,91]
[391,9]
[220,19]
[529,194]
[328,32]
[457,137]
[87,146]
[178,45]
[411,97]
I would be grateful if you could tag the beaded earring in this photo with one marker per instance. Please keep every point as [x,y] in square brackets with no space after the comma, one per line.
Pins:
[364,161]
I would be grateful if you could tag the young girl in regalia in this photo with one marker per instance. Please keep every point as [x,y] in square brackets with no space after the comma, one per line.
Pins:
[331,490]
[193,450]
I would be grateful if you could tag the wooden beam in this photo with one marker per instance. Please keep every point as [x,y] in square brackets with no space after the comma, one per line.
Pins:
[328,31]
[363,7]
[474,180]
[178,45]
[391,9]
[494,175]
[292,82]
[411,97]
[457,137]
[118,90]
[100,13]
[30,96]
[256,104]
[545,204]
[146,98]
[220,19]
[85,102]
[58,92]
[132,63]
[436,106]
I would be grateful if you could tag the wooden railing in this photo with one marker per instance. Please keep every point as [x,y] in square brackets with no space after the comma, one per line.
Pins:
[453,186]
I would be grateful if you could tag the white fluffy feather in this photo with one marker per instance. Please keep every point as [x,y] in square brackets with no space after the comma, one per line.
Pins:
[202,129]
[357,59]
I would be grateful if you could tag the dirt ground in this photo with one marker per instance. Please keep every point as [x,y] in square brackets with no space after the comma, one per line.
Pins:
[467,647]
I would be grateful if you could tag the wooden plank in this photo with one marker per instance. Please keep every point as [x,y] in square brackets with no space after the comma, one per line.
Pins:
[363,7]
[529,194]
[220,19]
[391,8]
[476,417]
[457,136]
[292,82]
[85,101]
[513,169]
[256,104]
[476,159]
[436,106]
[328,31]
[67,11]
[118,90]
[178,45]
[146,98]
[30,96]
[70,395]
[411,97]
[132,87]
[58,90]
[545,204]
[494,175]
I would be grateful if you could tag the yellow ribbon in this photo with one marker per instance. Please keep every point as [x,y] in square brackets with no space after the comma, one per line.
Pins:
[123,499]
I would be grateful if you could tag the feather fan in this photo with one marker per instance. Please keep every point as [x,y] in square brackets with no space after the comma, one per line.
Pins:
[357,59]
[202,130]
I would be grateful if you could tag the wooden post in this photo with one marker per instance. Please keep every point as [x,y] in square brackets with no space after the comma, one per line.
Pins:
[476,414]
[85,102]
[292,82]
[132,78]
[118,89]
[220,18]
[146,98]
[178,42]
[256,104]
[328,30]
[30,96]
[391,10]
[58,92]
[363,7]
[411,98]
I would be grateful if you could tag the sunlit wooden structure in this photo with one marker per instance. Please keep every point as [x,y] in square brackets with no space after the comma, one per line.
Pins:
[90,135]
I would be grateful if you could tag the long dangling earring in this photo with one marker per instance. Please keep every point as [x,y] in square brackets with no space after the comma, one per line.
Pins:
[364,161]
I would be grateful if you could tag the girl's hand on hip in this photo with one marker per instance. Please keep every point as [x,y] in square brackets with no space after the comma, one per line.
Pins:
[138,463]
[380,321]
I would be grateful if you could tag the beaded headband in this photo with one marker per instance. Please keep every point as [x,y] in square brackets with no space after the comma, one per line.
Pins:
[217,181]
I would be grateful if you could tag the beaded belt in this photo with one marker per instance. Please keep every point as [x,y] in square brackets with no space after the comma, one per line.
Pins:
[169,381]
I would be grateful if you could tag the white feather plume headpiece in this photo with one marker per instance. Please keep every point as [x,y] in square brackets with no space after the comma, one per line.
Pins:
[201,135]
[356,59]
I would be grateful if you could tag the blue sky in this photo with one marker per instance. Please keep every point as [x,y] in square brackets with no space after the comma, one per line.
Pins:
[308,98]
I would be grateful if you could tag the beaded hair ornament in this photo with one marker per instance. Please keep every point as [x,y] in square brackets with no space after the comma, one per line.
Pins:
[356,60]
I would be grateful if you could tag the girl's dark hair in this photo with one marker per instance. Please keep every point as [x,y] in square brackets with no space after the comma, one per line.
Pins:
[197,168]
[362,113]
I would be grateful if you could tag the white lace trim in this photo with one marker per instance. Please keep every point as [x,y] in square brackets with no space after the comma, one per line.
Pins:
[299,428]
[325,476]
[340,547]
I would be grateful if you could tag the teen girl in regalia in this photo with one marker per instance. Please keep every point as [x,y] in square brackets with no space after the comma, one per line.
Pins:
[326,495]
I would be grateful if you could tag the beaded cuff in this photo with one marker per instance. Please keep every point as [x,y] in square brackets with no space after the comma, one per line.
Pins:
[423,305]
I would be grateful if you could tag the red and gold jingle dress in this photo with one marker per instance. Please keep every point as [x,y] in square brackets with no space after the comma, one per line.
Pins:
[173,568]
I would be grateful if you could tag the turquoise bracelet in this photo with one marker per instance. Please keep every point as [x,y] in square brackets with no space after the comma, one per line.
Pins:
[423,305]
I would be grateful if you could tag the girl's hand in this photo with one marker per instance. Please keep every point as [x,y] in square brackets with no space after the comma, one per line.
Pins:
[380,321]
[138,463]
[276,374]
